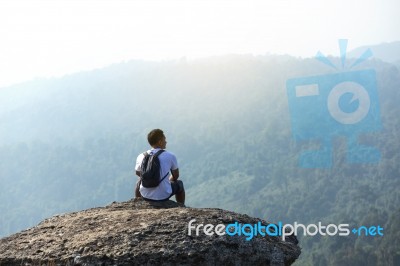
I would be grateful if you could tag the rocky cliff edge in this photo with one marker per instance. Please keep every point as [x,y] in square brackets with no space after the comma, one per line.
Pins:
[138,232]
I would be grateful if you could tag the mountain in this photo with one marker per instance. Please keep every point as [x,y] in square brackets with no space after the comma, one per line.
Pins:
[140,233]
[70,144]
[388,52]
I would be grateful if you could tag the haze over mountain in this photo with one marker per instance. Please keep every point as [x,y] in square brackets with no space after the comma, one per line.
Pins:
[70,143]
[46,39]
[388,52]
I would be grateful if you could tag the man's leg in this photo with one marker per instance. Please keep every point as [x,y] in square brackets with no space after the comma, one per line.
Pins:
[180,197]
[137,192]
[179,191]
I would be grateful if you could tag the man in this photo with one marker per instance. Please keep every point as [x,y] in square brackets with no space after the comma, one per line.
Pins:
[168,163]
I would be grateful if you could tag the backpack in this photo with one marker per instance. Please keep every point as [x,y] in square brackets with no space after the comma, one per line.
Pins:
[150,170]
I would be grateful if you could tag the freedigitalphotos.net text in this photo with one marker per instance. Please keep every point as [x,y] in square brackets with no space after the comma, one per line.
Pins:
[280,229]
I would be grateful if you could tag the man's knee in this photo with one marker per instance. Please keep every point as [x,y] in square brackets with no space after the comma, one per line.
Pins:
[177,187]
[180,185]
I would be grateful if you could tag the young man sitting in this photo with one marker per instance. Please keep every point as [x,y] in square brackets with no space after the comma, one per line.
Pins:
[168,163]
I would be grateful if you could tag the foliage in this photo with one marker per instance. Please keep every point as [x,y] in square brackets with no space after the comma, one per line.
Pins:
[71,143]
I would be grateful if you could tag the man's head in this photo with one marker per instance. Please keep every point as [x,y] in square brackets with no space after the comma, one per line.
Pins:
[156,139]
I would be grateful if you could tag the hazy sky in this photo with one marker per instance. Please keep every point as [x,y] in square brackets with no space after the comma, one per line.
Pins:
[52,38]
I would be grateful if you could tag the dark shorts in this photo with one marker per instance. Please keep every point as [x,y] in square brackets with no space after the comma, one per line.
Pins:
[177,187]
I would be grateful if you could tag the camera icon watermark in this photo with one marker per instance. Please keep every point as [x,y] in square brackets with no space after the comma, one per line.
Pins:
[339,104]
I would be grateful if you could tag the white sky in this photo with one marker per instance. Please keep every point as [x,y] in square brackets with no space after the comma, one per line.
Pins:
[53,37]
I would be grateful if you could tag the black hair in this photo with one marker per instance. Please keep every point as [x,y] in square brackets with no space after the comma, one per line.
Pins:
[155,136]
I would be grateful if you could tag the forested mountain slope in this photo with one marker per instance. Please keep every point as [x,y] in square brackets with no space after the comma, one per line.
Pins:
[70,143]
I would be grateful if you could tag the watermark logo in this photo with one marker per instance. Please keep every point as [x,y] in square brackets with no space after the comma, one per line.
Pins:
[249,231]
[339,104]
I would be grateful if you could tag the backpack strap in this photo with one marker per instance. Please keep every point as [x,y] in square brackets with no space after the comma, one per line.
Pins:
[158,152]
[156,155]
[164,177]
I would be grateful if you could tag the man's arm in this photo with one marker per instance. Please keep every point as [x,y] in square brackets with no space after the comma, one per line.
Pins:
[174,175]
[137,187]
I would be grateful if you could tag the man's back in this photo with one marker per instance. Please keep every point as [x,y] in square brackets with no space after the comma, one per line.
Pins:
[167,162]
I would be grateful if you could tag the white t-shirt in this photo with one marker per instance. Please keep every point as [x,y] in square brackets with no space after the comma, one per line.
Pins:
[163,190]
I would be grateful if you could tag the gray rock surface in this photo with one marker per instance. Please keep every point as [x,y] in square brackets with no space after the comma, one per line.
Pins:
[142,233]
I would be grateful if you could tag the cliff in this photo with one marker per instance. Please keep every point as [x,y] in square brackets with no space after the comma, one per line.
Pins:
[143,233]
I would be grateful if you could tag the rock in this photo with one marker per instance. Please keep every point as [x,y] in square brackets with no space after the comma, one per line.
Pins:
[139,232]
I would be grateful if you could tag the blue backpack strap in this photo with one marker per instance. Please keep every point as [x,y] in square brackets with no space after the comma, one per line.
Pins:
[164,177]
